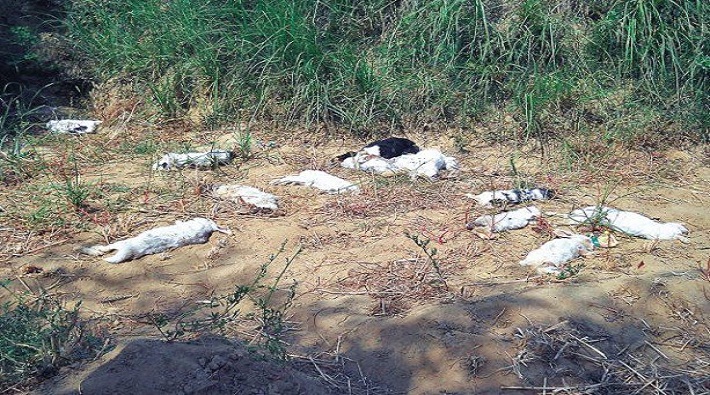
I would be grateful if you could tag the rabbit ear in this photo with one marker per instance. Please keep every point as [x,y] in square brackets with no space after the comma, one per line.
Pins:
[226,231]
[563,233]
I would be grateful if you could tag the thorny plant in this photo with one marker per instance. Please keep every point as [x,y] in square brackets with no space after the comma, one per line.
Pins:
[225,310]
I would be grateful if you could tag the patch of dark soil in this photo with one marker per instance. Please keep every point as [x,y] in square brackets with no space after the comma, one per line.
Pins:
[210,365]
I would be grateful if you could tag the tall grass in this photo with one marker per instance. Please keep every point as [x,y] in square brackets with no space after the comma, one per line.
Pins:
[373,63]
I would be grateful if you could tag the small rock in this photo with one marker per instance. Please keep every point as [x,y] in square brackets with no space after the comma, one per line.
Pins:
[217,362]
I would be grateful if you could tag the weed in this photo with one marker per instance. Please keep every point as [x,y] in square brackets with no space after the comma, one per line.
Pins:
[569,271]
[73,189]
[224,310]
[423,243]
[16,121]
[244,145]
[39,335]
[518,181]
[597,221]
[143,147]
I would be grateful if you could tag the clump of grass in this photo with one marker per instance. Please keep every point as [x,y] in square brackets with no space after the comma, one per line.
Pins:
[244,145]
[569,271]
[39,334]
[17,116]
[74,189]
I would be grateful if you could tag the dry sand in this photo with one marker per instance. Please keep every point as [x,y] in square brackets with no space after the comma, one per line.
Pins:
[369,307]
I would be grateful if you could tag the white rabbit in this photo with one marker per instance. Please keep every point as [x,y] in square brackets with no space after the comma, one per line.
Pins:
[512,196]
[249,195]
[154,241]
[631,223]
[426,163]
[319,180]
[551,256]
[201,160]
[72,126]
[509,220]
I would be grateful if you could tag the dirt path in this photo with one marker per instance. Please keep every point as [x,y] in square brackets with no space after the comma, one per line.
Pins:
[490,324]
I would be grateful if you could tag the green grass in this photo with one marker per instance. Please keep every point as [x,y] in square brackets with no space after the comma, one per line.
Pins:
[16,125]
[368,64]
[39,334]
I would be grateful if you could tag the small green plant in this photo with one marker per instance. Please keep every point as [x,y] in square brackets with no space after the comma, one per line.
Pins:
[244,145]
[225,310]
[518,180]
[569,271]
[26,37]
[423,243]
[16,117]
[73,189]
[597,220]
[145,147]
[38,334]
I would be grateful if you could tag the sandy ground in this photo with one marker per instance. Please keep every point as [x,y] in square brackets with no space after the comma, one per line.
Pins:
[369,306]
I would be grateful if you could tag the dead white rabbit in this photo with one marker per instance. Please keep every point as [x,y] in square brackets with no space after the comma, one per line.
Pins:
[425,163]
[319,180]
[553,255]
[245,194]
[199,160]
[72,126]
[630,223]
[154,241]
[509,220]
[512,196]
